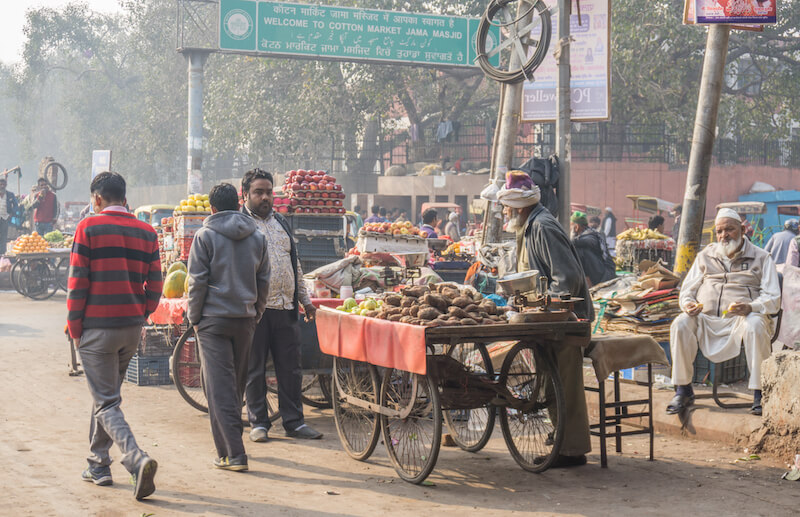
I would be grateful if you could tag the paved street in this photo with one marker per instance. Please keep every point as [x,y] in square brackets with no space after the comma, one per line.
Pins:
[44,425]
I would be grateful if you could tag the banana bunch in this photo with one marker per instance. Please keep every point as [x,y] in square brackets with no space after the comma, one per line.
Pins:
[640,234]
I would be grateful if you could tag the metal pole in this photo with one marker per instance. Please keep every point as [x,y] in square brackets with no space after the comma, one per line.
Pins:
[510,107]
[196,61]
[563,92]
[705,123]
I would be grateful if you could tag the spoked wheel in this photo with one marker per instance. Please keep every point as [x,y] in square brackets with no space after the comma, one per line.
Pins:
[16,277]
[38,279]
[357,426]
[187,374]
[532,424]
[62,273]
[316,391]
[186,371]
[413,441]
[316,388]
[471,428]
[272,392]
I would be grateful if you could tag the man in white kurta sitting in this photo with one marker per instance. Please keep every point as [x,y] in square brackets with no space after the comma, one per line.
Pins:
[727,299]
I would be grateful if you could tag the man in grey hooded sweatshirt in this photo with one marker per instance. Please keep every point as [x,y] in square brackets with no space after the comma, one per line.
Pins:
[228,275]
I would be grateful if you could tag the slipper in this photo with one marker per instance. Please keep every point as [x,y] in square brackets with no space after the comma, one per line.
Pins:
[756,409]
[679,403]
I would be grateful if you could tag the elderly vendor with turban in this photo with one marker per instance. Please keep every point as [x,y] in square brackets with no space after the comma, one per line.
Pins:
[727,299]
[542,244]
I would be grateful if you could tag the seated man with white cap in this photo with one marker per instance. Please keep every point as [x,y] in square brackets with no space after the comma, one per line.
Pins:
[727,299]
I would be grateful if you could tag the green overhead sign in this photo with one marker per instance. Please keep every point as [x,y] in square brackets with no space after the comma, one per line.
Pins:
[344,33]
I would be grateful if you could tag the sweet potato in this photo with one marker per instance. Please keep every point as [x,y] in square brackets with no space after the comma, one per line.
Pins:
[428,313]
[488,306]
[408,301]
[468,321]
[393,299]
[406,311]
[457,312]
[394,317]
[462,301]
[414,310]
[406,319]
[436,301]
[471,308]
[416,291]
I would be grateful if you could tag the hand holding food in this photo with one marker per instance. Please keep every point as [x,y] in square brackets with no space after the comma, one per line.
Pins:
[694,308]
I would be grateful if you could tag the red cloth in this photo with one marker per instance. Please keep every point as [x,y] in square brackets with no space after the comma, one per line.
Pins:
[115,273]
[171,311]
[45,212]
[370,340]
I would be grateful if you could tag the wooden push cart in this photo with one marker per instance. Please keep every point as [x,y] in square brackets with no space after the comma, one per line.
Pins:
[404,380]
[39,275]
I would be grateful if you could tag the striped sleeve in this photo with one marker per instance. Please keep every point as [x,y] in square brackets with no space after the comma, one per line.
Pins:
[153,284]
[78,282]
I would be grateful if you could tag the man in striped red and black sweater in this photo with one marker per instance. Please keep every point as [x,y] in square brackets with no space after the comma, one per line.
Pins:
[114,284]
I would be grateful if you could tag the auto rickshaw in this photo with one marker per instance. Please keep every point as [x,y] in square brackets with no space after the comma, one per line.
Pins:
[152,214]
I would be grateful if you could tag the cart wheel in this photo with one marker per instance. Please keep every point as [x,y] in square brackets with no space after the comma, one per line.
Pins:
[357,426]
[38,279]
[532,426]
[62,273]
[16,277]
[186,372]
[471,428]
[412,442]
[316,391]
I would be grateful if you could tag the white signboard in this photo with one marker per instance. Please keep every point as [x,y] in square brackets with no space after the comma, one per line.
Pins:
[590,62]
[101,162]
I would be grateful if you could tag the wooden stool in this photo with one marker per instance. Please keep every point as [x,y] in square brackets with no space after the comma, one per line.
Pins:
[611,353]
[610,425]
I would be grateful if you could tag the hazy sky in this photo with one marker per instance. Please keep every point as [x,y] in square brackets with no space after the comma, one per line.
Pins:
[12,20]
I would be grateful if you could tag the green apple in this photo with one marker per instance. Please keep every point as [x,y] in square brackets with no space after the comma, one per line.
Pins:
[370,304]
[340,308]
[350,303]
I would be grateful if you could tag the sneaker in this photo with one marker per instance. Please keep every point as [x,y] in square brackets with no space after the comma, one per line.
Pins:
[143,478]
[236,464]
[259,434]
[304,433]
[100,476]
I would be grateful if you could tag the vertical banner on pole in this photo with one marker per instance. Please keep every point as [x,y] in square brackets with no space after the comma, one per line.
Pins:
[101,162]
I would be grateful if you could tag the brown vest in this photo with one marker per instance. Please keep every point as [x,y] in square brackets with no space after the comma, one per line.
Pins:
[721,287]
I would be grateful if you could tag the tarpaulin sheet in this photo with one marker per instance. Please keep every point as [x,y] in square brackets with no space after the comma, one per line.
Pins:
[371,340]
[171,311]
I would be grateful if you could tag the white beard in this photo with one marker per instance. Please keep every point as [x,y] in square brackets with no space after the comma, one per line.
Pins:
[515,224]
[728,248]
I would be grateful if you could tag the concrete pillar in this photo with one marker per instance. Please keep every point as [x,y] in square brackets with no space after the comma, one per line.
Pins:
[196,60]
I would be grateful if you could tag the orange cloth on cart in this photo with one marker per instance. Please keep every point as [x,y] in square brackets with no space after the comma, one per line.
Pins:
[370,340]
[171,311]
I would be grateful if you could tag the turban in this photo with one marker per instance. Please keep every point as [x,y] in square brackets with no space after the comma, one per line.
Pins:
[579,218]
[453,216]
[727,213]
[519,191]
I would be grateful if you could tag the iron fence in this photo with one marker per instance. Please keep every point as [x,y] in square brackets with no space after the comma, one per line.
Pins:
[470,146]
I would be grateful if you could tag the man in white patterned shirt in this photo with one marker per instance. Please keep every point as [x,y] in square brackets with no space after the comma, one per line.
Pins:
[278,332]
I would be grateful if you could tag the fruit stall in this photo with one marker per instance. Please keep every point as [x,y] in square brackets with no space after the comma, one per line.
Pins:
[452,263]
[637,244]
[435,347]
[41,264]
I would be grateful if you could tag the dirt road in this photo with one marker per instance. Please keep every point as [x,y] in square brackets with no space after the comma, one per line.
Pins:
[44,424]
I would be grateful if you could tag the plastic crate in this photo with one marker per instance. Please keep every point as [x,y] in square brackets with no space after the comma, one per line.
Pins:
[732,370]
[156,341]
[317,222]
[330,248]
[148,371]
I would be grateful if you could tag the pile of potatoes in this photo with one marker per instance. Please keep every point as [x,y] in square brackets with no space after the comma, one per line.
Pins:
[439,305]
